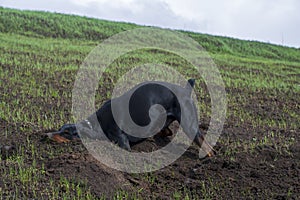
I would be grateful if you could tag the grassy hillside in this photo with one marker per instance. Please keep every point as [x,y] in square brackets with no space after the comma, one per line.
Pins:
[40,54]
[41,28]
[41,24]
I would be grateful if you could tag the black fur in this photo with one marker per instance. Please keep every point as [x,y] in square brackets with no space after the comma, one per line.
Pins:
[145,95]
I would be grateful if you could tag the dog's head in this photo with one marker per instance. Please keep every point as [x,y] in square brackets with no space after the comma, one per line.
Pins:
[69,131]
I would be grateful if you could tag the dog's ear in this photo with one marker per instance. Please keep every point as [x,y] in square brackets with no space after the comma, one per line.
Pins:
[191,82]
[190,85]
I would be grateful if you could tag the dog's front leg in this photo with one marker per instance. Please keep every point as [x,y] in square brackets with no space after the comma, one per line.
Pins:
[123,141]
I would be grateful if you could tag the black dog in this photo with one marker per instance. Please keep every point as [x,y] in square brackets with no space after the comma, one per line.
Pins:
[177,106]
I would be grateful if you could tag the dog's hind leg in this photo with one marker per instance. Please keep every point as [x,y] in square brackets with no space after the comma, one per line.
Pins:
[202,143]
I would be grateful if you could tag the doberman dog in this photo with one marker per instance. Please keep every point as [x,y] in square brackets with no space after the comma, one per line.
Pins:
[179,107]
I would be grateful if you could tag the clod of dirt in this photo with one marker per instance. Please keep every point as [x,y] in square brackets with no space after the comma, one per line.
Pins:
[6,151]
[295,149]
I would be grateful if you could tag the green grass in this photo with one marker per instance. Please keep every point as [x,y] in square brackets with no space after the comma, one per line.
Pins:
[41,53]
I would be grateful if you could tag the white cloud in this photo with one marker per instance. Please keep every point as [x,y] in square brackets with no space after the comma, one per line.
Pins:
[274,21]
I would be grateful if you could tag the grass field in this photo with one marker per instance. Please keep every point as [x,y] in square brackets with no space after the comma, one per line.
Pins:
[258,152]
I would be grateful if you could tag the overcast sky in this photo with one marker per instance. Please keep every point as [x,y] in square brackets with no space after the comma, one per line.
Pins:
[274,21]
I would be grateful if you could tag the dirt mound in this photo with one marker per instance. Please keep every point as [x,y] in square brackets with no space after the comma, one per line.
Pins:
[103,181]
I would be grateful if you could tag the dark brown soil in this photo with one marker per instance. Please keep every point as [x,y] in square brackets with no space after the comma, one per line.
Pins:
[266,171]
